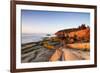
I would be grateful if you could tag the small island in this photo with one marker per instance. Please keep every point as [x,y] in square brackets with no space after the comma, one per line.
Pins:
[74,46]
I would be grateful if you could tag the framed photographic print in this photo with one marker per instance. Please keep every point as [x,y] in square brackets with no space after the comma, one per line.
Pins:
[52,36]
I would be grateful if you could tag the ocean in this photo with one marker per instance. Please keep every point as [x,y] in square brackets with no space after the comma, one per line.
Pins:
[34,37]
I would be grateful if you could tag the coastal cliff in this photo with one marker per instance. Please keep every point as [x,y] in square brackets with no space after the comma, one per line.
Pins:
[80,34]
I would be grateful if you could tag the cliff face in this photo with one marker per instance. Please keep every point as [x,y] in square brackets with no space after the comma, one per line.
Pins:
[85,34]
[80,34]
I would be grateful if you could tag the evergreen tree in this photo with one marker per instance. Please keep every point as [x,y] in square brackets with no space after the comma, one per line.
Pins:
[75,38]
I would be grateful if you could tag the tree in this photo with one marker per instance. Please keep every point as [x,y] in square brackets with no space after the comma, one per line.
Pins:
[88,27]
[75,38]
[83,26]
[67,38]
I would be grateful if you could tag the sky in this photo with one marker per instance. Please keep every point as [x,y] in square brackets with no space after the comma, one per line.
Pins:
[36,21]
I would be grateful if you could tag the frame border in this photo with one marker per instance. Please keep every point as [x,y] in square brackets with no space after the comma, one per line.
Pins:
[13,35]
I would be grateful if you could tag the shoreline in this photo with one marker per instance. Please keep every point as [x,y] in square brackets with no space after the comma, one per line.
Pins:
[81,46]
[46,50]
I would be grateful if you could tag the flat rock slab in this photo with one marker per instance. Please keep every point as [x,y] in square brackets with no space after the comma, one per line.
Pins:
[70,54]
[37,54]
[41,54]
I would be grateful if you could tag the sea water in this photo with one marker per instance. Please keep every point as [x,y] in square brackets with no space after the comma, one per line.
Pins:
[33,37]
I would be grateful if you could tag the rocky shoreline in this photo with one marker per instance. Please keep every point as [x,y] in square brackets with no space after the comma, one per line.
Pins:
[43,51]
[35,52]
